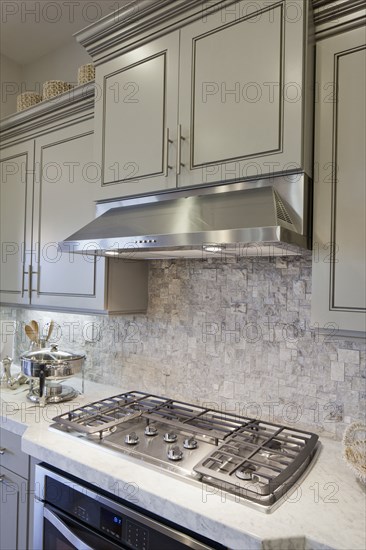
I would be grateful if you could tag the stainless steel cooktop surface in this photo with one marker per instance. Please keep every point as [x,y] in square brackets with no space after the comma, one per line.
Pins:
[253,461]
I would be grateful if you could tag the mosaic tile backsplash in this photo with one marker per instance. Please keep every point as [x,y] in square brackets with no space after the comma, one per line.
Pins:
[234,335]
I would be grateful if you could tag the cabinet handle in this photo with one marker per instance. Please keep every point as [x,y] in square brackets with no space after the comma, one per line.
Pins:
[167,140]
[30,282]
[23,276]
[179,149]
[65,530]
[2,450]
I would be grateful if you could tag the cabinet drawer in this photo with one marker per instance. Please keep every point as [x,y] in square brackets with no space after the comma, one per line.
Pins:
[12,456]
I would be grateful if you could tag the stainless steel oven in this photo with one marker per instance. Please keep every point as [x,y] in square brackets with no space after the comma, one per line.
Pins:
[71,515]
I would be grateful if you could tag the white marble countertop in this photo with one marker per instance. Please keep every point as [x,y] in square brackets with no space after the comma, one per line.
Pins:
[328,510]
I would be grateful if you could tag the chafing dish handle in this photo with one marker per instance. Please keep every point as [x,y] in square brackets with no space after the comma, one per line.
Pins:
[42,377]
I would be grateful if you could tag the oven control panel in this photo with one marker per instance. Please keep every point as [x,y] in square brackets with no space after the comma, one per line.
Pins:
[137,536]
[122,528]
[111,523]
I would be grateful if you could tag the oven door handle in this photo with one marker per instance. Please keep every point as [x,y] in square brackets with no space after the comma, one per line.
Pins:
[65,531]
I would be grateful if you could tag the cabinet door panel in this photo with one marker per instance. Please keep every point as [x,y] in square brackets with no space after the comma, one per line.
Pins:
[135,123]
[139,104]
[13,511]
[231,114]
[339,267]
[16,221]
[349,231]
[242,92]
[65,180]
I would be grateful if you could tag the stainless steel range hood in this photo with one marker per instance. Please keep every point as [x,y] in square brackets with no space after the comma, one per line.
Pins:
[261,218]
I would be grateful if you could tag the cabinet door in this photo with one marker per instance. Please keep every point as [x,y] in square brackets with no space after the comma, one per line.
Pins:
[339,266]
[65,179]
[16,165]
[13,511]
[136,119]
[241,82]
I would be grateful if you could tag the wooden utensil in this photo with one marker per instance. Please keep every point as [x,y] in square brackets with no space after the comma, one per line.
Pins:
[31,333]
[47,331]
[35,327]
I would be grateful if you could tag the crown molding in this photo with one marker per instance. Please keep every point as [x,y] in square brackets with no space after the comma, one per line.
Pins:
[71,105]
[335,16]
[141,21]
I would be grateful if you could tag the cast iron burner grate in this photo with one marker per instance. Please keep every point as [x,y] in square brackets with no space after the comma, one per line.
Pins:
[112,411]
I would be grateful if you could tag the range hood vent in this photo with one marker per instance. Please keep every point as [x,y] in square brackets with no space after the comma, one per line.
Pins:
[263,217]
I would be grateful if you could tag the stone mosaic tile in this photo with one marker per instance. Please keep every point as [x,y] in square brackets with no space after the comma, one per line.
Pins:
[235,334]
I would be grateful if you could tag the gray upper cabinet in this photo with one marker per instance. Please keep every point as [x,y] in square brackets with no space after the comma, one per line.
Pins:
[46,188]
[136,120]
[242,92]
[48,182]
[222,98]
[65,176]
[339,263]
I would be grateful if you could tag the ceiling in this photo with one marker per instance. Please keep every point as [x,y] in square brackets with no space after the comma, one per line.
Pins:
[30,29]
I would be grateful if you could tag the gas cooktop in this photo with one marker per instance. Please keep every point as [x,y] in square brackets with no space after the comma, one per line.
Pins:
[253,461]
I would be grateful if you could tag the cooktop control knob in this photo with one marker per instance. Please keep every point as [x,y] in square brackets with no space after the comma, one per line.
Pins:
[132,438]
[174,453]
[151,430]
[190,443]
[170,437]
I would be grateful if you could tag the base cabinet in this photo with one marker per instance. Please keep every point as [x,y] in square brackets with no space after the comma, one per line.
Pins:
[339,260]
[14,493]
[13,511]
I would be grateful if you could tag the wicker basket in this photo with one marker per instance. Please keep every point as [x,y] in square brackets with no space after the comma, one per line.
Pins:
[26,100]
[86,73]
[354,449]
[52,88]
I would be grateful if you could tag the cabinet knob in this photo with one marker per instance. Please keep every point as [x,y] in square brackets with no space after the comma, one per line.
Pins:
[2,450]
[2,477]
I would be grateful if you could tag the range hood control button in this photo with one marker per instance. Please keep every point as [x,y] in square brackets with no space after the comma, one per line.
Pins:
[174,453]
[170,437]
[132,438]
[151,430]
[190,443]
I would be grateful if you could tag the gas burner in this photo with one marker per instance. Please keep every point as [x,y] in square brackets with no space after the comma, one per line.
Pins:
[273,445]
[246,472]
